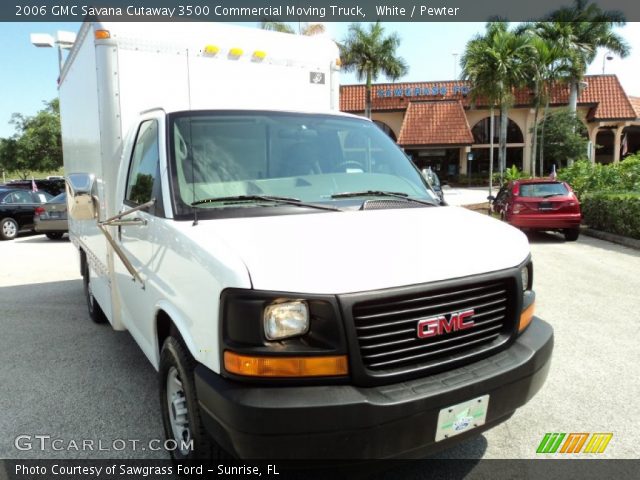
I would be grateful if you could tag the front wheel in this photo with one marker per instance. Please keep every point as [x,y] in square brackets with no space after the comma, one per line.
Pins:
[571,234]
[179,405]
[95,312]
[8,229]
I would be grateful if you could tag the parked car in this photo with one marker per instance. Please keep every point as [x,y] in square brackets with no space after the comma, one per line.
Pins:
[539,204]
[17,208]
[52,185]
[51,218]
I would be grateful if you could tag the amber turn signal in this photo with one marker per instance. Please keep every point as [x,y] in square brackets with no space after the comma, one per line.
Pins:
[526,316]
[251,366]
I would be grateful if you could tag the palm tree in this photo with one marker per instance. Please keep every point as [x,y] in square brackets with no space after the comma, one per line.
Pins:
[581,29]
[495,64]
[548,65]
[307,29]
[370,53]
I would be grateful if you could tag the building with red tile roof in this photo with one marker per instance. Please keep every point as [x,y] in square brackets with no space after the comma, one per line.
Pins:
[435,123]
[439,126]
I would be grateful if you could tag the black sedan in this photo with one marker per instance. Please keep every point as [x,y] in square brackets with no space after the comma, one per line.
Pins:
[17,208]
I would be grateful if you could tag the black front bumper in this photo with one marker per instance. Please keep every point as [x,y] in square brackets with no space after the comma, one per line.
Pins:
[348,422]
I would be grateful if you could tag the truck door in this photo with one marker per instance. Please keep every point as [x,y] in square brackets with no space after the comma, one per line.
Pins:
[139,242]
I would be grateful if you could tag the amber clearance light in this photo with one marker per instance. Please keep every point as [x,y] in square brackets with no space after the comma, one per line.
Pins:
[102,34]
[285,366]
[526,316]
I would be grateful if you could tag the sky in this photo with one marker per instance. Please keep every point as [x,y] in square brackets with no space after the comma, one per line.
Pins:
[28,74]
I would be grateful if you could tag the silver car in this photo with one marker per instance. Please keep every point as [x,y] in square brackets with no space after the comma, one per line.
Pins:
[51,217]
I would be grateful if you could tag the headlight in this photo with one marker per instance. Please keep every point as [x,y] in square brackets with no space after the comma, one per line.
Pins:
[525,275]
[286,318]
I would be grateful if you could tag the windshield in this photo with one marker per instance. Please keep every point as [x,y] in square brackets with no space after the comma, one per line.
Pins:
[299,156]
[543,189]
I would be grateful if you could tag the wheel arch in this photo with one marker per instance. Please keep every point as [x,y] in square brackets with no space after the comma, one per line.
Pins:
[170,323]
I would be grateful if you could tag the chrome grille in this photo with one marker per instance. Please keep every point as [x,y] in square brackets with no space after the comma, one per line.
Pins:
[387,328]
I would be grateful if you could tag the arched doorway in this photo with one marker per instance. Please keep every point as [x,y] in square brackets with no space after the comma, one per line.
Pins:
[481,132]
[605,140]
[386,129]
[630,141]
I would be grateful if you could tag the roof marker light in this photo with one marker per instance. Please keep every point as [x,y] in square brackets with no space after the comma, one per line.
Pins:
[210,50]
[235,52]
[259,55]
[102,34]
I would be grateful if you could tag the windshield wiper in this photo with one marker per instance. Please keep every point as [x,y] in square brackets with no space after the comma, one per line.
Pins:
[262,198]
[381,193]
[553,195]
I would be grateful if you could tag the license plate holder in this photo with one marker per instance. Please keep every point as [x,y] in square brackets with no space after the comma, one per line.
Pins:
[462,417]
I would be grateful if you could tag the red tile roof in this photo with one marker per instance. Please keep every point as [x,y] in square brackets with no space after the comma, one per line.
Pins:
[635,103]
[435,123]
[603,92]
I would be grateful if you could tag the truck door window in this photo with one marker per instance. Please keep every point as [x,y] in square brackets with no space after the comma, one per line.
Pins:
[145,165]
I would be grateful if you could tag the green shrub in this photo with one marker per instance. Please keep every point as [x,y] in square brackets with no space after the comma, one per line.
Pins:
[629,172]
[613,212]
[586,177]
[511,173]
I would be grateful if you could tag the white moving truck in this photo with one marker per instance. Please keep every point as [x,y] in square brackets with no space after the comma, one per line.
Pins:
[283,266]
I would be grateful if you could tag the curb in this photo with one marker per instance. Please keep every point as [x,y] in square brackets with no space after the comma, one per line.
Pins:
[612,237]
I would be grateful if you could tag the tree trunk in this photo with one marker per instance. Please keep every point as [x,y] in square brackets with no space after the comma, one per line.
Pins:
[491,134]
[502,153]
[573,95]
[367,102]
[534,140]
[544,119]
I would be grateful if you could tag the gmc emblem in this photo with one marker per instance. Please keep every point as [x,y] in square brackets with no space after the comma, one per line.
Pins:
[434,326]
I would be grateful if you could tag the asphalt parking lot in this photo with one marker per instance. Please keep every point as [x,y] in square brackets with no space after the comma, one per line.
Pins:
[68,378]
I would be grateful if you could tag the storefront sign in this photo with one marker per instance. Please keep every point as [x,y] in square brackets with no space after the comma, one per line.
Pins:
[422,91]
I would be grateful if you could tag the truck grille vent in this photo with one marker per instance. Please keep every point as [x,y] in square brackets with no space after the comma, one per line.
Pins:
[387,328]
[385,204]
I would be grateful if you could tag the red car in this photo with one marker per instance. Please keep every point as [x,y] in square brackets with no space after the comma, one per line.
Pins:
[540,204]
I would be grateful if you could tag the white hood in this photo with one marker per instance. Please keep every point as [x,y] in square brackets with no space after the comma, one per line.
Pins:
[356,251]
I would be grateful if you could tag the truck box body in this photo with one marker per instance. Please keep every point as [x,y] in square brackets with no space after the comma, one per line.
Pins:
[284,266]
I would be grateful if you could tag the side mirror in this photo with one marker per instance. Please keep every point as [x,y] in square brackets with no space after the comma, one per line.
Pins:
[491,198]
[81,199]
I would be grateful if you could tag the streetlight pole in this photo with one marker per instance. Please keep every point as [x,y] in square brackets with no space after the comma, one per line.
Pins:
[455,65]
[607,56]
[63,40]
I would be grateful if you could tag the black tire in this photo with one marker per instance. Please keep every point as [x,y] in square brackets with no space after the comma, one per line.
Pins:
[54,235]
[571,234]
[177,364]
[95,312]
[8,229]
